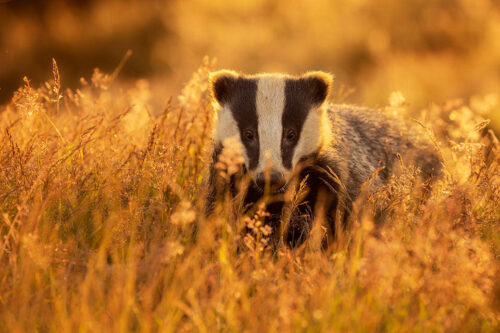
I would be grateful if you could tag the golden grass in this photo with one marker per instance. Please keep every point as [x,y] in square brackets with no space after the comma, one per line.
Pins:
[102,227]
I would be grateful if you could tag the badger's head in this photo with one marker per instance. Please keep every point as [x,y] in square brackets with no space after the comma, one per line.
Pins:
[279,120]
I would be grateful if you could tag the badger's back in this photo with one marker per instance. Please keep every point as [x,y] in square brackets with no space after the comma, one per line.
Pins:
[364,140]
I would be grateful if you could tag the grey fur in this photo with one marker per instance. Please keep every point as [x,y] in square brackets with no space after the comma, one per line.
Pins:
[366,139]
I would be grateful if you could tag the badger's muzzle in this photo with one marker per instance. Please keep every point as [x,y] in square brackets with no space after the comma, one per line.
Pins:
[276,181]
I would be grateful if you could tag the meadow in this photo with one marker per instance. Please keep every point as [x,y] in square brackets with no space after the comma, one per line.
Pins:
[103,226]
[102,171]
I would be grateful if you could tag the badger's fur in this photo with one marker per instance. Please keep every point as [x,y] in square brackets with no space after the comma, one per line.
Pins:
[288,131]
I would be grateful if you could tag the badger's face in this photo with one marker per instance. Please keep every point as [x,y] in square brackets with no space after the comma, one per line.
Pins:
[277,118]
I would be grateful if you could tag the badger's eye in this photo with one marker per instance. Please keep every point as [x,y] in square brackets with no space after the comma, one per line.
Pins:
[290,135]
[249,135]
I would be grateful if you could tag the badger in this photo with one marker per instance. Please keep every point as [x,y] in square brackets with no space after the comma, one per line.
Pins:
[289,131]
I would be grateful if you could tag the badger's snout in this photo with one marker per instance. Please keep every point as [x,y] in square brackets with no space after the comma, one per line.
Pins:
[275,179]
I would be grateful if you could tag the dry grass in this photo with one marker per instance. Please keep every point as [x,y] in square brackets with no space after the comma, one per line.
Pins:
[102,227]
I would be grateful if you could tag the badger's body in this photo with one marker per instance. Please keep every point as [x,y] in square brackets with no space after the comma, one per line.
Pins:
[288,132]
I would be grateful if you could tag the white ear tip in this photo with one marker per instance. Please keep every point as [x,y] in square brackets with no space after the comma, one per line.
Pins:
[213,76]
[325,76]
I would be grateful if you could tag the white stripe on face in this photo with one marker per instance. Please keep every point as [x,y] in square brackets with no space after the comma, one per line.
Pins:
[227,127]
[310,136]
[270,104]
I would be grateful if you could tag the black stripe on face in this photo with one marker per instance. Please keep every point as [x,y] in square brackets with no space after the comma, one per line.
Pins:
[297,105]
[242,104]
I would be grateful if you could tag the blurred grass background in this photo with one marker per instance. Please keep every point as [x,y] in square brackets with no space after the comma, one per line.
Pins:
[429,50]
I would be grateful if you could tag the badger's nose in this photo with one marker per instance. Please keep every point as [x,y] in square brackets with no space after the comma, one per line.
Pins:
[276,180]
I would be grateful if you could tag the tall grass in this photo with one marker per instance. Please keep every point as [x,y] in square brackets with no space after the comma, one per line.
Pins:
[102,226]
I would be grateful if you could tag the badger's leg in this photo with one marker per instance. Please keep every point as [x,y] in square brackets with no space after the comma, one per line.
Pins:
[299,225]
[319,205]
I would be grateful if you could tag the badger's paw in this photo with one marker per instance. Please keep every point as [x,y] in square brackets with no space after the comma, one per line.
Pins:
[299,227]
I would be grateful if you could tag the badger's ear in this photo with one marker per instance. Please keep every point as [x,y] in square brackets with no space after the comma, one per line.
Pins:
[317,85]
[222,84]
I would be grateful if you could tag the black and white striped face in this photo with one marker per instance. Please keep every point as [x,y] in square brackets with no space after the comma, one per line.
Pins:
[277,118]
